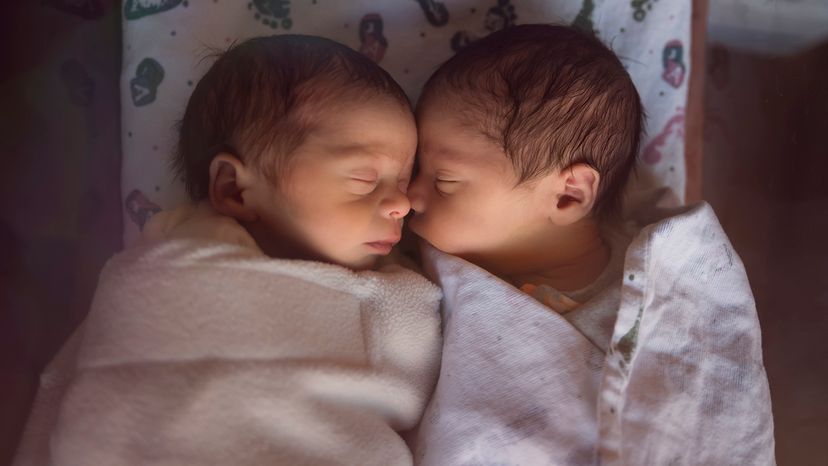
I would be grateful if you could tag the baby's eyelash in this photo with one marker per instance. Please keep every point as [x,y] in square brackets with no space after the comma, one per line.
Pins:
[362,186]
[445,187]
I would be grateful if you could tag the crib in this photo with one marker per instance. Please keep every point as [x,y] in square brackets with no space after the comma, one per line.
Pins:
[102,84]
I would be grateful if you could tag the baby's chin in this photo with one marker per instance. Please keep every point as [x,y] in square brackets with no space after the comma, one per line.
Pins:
[359,264]
[423,232]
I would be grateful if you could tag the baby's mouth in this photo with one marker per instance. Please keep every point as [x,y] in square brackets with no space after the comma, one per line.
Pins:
[384,246]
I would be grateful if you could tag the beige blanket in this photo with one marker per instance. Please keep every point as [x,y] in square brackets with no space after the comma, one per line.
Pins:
[204,352]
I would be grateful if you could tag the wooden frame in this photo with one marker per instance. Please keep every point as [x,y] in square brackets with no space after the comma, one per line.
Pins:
[694,117]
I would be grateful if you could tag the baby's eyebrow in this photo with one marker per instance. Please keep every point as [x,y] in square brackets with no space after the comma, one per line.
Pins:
[451,156]
[353,153]
[354,150]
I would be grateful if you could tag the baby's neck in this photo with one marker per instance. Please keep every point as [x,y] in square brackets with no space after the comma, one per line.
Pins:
[569,274]
[567,259]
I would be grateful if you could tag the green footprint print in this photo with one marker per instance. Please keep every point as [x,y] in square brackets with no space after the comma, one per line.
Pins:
[144,85]
[273,13]
[583,21]
[640,8]
[134,9]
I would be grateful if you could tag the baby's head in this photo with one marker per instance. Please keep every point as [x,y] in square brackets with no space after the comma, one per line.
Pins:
[307,143]
[525,134]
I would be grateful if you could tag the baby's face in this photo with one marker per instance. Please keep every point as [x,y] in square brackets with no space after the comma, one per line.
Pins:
[344,199]
[465,197]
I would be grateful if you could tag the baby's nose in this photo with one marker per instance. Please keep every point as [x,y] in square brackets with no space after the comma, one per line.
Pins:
[396,206]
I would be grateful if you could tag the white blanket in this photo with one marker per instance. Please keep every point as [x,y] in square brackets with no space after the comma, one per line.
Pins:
[682,384]
[209,353]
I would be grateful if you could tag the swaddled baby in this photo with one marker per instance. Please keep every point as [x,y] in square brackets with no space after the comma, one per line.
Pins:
[248,327]
[527,139]
[571,337]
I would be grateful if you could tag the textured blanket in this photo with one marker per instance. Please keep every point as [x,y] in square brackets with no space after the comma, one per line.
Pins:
[209,353]
[682,382]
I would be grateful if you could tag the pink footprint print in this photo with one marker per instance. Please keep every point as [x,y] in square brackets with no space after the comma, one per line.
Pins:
[373,41]
[139,208]
[673,63]
[667,140]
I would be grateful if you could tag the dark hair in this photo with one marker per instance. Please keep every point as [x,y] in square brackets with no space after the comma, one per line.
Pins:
[550,96]
[260,97]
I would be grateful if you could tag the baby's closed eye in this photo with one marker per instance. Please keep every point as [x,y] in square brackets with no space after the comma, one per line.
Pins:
[446,185]
[363,186]
[362,183]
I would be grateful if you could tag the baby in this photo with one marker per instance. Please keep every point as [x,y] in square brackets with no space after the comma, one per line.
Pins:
[306,144]
[568,341]
[527,139]
[248,327]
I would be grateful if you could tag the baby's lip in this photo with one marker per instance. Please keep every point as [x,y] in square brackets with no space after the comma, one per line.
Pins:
[391,240]
[384,246]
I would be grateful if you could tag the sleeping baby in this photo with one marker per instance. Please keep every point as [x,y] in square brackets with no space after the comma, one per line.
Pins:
[526,143]
[570,336]
[249,326]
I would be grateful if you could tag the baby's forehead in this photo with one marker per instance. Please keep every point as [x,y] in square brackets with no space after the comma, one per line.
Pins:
[369,120]
[455,134]
[461,152]
[367,154]
[373,139]
[472,115]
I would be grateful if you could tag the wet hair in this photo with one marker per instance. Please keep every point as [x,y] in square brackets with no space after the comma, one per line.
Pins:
[260,98]
[551,97]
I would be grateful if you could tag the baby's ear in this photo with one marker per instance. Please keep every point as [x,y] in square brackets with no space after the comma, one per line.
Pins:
[577,188]
[230,188]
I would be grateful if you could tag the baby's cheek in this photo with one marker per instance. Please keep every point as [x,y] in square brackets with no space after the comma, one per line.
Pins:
[447,230]
[423,226]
